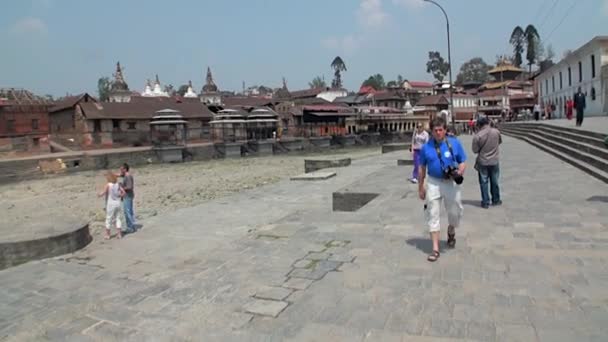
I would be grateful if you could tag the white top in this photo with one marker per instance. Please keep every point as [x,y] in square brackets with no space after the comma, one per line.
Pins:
[419,139]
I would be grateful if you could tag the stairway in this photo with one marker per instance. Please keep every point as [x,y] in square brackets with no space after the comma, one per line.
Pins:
[582,149]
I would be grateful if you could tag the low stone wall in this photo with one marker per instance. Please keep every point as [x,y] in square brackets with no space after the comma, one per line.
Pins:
[18,252]
[311,165]
[386,148]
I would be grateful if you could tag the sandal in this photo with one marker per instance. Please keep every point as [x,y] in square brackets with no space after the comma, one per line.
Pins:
[433,256]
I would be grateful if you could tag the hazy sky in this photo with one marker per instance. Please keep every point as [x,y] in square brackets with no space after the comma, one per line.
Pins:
[64,46]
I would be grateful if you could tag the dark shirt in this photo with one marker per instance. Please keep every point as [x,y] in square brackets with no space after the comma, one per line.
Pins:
[579,101]
[128,185]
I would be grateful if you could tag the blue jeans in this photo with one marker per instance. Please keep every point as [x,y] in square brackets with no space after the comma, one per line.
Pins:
[127,205]
[489,173]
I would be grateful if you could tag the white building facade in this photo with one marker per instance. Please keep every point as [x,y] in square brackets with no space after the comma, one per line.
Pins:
[587,68]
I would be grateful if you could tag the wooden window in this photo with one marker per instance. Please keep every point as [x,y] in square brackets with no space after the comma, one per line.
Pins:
[592,66]
[561,84]
[580,71]
[34,124]
[116,124]
[569,77]
[36,142]
[131,125]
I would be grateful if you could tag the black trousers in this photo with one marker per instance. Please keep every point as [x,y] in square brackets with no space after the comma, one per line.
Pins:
[579,117]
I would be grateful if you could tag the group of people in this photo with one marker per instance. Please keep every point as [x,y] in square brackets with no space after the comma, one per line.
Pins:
[439,166]
[576,103]
[119,195]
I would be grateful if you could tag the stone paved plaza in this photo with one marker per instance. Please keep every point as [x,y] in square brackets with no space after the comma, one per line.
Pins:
[276,264]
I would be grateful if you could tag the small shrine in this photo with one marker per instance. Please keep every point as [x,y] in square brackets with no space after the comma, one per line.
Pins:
[168,132]
[119,90]
[210,94]
[190,92]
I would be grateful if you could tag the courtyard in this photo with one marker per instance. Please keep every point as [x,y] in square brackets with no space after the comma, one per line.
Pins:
[273,262]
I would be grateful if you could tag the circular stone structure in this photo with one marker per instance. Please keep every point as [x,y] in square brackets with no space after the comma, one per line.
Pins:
[42,240]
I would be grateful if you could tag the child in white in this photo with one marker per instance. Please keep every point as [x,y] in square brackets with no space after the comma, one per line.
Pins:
[113,193]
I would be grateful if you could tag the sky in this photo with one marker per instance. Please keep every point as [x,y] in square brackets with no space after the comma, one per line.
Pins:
[64,46]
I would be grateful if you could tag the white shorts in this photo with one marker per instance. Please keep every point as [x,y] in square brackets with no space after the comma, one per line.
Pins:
[113,214]
[436,190]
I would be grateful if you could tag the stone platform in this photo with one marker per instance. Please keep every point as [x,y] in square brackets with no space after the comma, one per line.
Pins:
[311,165]
[278,264]
[44,240]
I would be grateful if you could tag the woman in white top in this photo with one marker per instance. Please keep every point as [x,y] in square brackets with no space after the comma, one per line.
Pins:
[419,139]
[114,193]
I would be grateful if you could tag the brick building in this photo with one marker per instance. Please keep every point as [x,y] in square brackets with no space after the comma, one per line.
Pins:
[82,122]
[24,122]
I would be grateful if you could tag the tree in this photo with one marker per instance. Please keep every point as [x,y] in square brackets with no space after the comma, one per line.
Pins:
[517,40]
[317,82]
[182,90]
[400,80]
[392,84]
[549,53]
[474,70]
[170,90]
[339,66]
[375,81]
[103,88]
[532,40]
[437,66]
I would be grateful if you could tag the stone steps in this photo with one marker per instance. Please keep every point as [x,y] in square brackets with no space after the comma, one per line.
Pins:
[572,152]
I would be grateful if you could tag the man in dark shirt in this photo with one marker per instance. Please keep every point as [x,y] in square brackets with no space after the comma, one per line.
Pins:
[127,202]
[579,104]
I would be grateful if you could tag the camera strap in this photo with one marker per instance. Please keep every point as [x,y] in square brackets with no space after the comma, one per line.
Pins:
[438,150]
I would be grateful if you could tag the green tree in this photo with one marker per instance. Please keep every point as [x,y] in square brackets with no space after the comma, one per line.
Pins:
[392,84]
[476,69]
[339,66]
[375,81]
[182,90]
[437,66]
[317,82]
[517,40]
[103,88]
[532,40]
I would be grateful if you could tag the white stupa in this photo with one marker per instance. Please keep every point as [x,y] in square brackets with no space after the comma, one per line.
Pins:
[147,90]
[190,92]
[158,91]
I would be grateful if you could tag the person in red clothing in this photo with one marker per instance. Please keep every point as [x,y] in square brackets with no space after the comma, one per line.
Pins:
[569,108]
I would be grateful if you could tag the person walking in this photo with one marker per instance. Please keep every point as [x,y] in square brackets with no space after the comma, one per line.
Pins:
[128,186]
[536,112]
[579,105]
[569,108]
[419,138]
[486,145]
[113,193]
[443,160]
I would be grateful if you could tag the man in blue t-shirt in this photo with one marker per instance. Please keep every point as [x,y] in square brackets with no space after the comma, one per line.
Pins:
[442,159]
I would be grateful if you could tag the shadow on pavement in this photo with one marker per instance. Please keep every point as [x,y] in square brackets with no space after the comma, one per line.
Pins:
[425,245]
[472,203]
[598,199]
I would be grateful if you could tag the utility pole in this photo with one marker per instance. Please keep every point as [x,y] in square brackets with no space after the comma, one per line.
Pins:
[449,60]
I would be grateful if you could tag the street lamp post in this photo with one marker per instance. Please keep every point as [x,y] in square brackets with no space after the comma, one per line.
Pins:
[449,60]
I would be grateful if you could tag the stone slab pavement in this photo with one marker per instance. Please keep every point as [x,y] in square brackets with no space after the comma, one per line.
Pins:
[276,264]
[598,124]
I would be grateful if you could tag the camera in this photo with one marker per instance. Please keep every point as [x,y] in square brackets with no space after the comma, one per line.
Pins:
[452,173]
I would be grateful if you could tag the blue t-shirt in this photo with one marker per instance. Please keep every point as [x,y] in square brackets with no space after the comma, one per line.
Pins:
[428,156]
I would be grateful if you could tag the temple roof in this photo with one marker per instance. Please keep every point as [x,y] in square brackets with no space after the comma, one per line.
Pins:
[505,68]
[119,83]
[210,86]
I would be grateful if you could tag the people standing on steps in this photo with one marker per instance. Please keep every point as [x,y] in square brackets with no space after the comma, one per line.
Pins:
[419,138]
[486,144]
[442,164]
[113,193]
[579,104]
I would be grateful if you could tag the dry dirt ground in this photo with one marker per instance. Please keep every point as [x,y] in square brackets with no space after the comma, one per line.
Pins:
[27,206]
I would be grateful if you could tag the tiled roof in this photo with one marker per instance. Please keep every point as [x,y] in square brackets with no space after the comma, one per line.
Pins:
[248,101]
[505,68]
[420,84]
[14,96]
[71,101]
[433,100]
[306,93]
[142,110]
